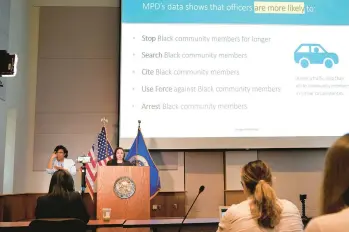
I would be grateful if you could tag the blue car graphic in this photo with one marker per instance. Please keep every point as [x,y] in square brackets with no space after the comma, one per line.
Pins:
[307,54]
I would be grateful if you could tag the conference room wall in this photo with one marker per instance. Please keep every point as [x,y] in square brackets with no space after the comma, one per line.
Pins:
[77,86]
[204,168]
[171,170]
[4,38]
[14,112]
[25,185]
[297,172]
[76,82]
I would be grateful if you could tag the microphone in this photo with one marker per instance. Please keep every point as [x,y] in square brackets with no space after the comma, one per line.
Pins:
[201,189]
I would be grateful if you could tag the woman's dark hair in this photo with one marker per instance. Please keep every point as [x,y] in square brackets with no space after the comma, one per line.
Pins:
[61,147]
[116,149]
[257,178]
[335,184]
[346,197]
[61,184]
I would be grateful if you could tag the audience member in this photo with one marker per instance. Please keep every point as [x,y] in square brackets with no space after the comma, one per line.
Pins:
[335,190]
[262,211]
[61,201]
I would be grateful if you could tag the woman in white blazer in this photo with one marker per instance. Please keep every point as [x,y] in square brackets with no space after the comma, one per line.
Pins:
[59,161]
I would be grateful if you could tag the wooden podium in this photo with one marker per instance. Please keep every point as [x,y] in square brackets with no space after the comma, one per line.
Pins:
[111,180]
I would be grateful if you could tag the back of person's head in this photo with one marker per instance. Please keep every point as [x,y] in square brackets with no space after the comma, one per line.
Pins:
[335,187]
[257,180]
[61,184]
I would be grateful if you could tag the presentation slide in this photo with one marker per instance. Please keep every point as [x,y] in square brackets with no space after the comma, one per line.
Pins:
[234,74]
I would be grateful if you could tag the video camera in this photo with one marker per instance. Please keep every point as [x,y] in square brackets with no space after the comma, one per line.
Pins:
[83,159]
[8,64]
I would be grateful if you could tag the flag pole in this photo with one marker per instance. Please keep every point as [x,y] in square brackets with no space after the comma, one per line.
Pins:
[139,128]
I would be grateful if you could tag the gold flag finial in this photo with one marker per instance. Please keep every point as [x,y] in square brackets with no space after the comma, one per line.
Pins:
[104,120]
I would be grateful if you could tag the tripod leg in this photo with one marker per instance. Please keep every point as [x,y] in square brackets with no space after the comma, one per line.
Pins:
[83,179]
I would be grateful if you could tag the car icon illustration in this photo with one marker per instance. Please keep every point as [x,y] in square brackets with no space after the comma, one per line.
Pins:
[307,54]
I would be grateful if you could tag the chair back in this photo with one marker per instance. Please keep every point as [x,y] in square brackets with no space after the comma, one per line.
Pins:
[57,225]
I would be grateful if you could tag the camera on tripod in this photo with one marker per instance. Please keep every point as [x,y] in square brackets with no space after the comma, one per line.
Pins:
[83,159]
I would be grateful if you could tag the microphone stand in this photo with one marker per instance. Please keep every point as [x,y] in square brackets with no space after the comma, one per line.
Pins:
[303,210]
[83,179]
[185,217]
[305,219]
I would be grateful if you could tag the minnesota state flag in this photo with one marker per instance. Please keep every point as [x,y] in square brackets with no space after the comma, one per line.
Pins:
[140,156]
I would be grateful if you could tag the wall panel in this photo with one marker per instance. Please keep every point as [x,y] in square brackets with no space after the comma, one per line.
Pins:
[77,79]
[204,168]
[297,172]
[171,170]
[234,161]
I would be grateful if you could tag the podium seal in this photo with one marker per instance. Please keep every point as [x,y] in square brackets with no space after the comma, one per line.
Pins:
[138,160]
[124,187]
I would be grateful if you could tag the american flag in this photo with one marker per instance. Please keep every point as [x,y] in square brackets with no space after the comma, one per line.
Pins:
[104,152]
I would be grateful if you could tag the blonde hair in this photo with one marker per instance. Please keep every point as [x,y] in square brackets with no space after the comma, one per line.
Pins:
[335,186]
[257,178]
